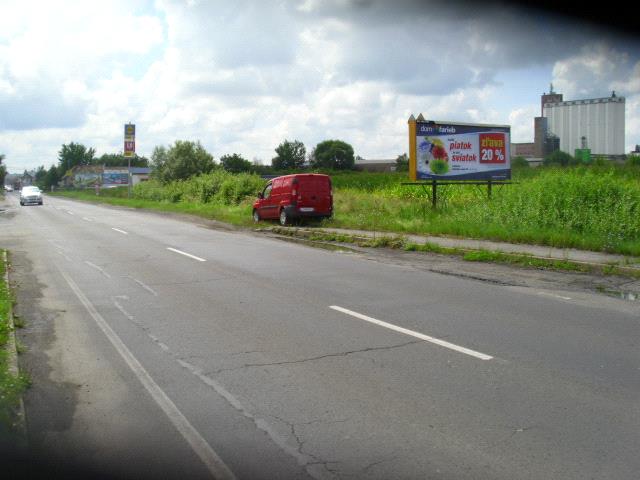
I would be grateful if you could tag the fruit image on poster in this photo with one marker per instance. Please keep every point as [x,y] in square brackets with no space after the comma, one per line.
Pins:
[432,156]
[462,151]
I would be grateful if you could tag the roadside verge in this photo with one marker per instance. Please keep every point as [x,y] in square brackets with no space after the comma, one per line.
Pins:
[532,256]
[12,382]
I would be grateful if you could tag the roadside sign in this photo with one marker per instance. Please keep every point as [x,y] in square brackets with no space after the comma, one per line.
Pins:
[129,140]
[129,148]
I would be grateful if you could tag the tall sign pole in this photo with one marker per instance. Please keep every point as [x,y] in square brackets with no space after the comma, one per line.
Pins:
[129,150]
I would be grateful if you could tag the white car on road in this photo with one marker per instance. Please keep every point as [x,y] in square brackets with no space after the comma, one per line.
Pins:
[30,195]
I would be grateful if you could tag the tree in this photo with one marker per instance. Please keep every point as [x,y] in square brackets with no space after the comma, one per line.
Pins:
[333,154]
[119,160]
[3,170]
[51,178]
[74,154]
[290,155]
[41,174]
[182,160]
[402,163]
[235,163]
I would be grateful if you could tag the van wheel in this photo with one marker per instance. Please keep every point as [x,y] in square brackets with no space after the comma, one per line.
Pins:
[284,219]
[256,216]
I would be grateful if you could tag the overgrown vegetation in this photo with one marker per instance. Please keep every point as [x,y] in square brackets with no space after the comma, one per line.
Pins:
[595,207]
[11,386]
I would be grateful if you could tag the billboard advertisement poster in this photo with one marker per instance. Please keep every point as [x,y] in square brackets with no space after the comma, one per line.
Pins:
[460,151]
[114,177]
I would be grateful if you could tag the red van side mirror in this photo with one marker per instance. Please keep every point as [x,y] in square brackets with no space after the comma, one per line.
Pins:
[260,195]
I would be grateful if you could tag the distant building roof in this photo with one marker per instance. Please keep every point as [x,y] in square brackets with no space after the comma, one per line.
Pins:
[361,161]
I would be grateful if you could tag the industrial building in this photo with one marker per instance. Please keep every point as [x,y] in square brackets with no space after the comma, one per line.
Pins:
[600,121]
[596,124]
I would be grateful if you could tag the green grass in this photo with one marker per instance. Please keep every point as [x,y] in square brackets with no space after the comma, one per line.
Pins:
[591,208]
[11,386]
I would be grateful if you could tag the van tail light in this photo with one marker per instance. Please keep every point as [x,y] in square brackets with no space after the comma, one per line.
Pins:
[294,192]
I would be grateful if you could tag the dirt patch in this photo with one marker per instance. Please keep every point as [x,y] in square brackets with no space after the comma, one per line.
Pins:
[49,405]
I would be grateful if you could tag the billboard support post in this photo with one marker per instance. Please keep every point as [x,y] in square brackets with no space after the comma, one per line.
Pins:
[434,186]
[412,148]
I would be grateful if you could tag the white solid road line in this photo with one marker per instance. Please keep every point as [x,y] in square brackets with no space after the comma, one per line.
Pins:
[419,335]
[87,219]
[143,285]
[554,295]
[121,231]
[93,265]
[186,254]
[214,463]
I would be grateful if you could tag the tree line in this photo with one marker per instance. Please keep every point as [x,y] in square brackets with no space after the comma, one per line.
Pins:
[185,159]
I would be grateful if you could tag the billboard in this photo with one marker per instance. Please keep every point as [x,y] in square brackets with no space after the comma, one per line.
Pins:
[458,151]
[115,176]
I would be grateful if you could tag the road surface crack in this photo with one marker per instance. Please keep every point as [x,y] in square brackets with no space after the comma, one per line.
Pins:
[306,459]
[312,359]
[376,463]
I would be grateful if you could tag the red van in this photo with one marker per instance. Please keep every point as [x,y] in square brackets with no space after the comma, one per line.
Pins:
[294,196]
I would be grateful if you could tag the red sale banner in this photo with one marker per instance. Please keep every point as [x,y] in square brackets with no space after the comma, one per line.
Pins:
[492,148]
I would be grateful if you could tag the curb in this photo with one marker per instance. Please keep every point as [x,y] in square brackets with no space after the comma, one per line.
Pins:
[302,232]
[12,360]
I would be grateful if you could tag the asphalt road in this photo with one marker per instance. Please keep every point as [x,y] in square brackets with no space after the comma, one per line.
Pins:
[162,348]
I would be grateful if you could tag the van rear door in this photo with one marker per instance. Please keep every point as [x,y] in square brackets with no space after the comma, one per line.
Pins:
[314,192]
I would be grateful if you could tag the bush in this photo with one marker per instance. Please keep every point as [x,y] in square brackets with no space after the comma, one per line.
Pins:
[402,163]
[219,186]
[559,158]
[519,162]
[633,161]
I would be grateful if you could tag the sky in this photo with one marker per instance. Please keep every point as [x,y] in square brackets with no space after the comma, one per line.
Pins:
[243,76]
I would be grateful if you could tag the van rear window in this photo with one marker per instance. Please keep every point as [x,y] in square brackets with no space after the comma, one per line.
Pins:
[316,183]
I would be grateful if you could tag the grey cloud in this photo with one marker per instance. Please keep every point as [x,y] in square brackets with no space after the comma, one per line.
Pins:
[40,110]
[448,44]
[420,47]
